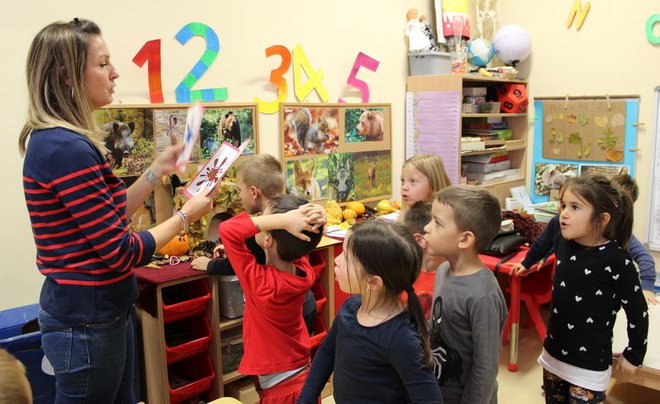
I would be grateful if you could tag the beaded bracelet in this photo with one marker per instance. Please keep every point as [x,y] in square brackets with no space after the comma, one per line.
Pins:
[185,220]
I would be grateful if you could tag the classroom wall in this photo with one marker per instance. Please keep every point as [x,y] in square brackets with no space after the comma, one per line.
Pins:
[330,33]
[609,55]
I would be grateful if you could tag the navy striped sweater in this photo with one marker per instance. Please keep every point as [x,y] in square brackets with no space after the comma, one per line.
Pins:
[77,209]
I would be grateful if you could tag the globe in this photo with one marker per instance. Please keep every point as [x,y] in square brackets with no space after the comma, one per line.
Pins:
[480,52]
[512,44]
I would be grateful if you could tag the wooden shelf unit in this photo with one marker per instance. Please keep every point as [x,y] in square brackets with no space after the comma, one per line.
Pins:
[516,148]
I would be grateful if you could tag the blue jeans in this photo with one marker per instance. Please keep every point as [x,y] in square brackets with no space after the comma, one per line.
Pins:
[93,363]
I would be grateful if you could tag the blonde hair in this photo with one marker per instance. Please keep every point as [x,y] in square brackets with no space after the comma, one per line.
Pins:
[431,166]
[14,386]
[56,65]
[264,172]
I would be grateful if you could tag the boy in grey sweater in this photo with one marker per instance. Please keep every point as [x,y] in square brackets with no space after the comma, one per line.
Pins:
[469,310]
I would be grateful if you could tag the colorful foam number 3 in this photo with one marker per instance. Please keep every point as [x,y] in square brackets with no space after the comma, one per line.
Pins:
[278,80]
[361,60]
[314,77]
[150,52]
[184,92]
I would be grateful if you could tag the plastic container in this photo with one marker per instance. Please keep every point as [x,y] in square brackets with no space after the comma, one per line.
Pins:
[186,338]
[320,296]
[189,378]
[430,62]
[27,349]
[185,300]
[320,331]
[317,262]
[232,301]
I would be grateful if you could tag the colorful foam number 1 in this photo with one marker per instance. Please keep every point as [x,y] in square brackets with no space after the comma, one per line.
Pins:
[650,23]
[277,78]
[150,52]
[184,92]
[314,77]
[361,60]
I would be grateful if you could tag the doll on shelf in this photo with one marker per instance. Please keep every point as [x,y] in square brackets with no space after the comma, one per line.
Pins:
[417,40]
[426,28]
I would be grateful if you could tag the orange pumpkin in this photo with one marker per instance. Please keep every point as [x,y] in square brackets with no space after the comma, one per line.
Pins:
[356,207]
[178,246]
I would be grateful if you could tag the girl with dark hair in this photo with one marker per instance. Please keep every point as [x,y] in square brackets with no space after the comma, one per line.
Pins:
[377,348]
[594,279]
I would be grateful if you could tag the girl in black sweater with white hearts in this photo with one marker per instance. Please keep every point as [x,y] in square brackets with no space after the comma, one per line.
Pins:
[595,277]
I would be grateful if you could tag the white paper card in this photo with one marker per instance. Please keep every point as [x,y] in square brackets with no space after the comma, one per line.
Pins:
[214,169]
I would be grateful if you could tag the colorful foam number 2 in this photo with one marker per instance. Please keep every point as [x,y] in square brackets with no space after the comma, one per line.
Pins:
[150,52]
[650,23]
[277,78]
[184,92]
[300,63]
[578,11]
[361,60]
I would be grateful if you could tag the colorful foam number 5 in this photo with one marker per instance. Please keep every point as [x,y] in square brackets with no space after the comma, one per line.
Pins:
[184,92]
[150,52]
[361,60]
[314,77]
[277,78]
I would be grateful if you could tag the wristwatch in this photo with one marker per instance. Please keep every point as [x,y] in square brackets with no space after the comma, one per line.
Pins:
[150,176]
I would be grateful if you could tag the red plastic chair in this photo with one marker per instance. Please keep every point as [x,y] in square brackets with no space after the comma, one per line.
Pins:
[535,290]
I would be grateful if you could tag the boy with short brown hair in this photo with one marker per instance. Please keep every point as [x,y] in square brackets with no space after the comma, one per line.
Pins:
[469,310]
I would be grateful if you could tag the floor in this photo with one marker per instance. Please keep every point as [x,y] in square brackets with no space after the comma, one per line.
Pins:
[524,386]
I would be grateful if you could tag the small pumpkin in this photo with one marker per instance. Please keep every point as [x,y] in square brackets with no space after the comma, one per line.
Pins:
[179,245]
[349,214]
[357,207]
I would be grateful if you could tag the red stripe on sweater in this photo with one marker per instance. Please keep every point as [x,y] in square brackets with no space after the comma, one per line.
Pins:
[73,175]
[48,212]
[95,283]
[77,271]
[80,186]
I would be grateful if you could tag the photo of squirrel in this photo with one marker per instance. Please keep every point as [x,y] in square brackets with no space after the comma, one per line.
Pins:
[310,136]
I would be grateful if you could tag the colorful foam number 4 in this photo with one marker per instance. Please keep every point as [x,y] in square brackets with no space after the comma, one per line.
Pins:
[184,92]
[150,52]
[314,77]
[366,61]
[277,78]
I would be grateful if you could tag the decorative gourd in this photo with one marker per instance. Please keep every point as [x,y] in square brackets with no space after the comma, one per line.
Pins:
[178,246]
[356,207]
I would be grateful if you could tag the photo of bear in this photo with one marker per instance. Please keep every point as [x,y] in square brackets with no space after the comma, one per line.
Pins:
[231,125]
[129,140]
[364,125]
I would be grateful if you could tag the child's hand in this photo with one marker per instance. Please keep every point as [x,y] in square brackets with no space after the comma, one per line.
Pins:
[219,251]
[517,269]
[200,263]
[650,297]
[316,214]
[621,365]
[302,219]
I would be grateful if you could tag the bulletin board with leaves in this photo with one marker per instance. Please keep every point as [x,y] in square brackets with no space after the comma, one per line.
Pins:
[138,133]
[337,151]
[574,135]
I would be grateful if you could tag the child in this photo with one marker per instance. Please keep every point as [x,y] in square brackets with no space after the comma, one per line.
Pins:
[594,278]
[377,349]
[416,218]
[421,176]
[275,340]
[259,179]
[467,298]
[542,246]
[14,385]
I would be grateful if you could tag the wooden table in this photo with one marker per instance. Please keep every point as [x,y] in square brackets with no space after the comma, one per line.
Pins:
[649,374]
[514,305]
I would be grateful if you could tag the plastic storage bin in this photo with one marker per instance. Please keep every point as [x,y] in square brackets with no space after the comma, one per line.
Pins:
[320,296]
[232,301]
[186,338]
[430,62]
[185,300]
[27,349]
[189,378]
[317,262]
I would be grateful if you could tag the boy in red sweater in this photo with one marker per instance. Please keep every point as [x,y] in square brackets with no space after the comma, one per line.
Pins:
[275,338]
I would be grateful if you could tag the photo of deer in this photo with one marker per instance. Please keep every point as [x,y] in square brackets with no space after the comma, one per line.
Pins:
[373,174]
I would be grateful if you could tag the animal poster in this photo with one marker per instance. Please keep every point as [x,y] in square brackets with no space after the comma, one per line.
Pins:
[310,130]
[345,148]
[231,124]
[307,178]
[130,138]
[590,132]
[587,130]
[549,177]
[608,171]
